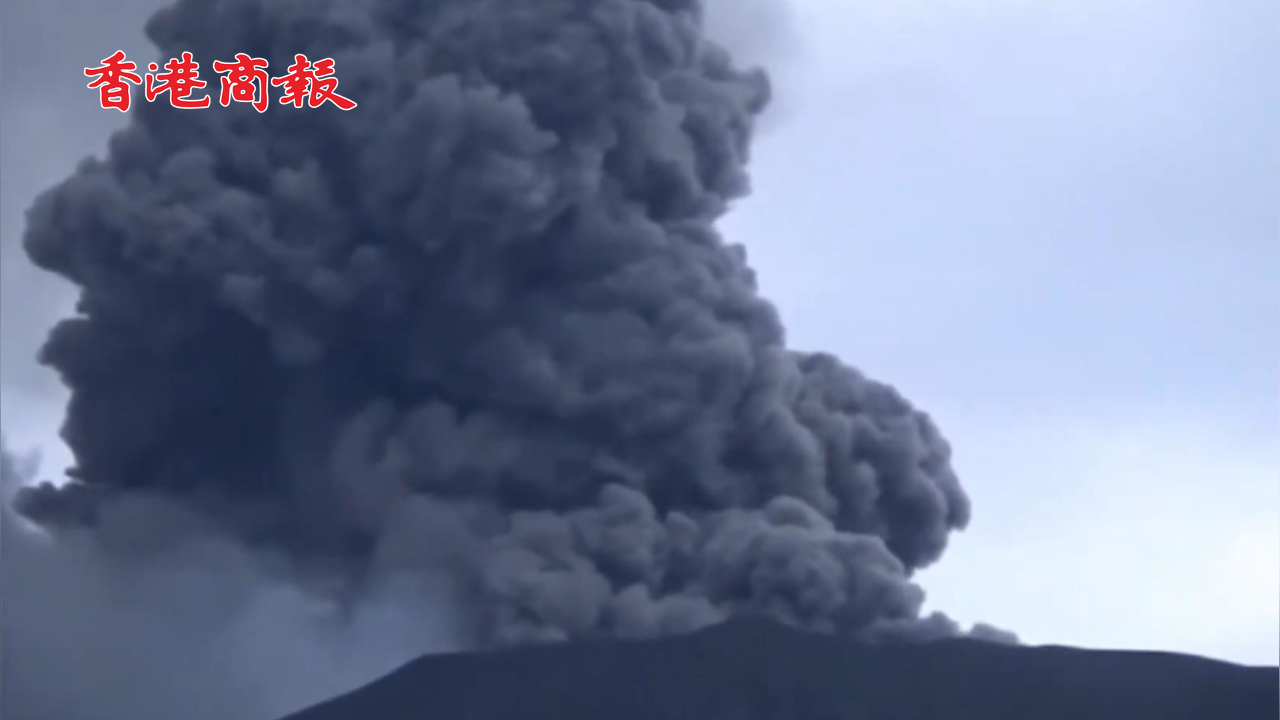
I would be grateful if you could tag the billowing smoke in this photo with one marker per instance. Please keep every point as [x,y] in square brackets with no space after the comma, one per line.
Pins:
[111,624]
[480,327]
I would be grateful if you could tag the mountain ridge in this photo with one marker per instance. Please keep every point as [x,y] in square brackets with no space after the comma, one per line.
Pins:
[756,669]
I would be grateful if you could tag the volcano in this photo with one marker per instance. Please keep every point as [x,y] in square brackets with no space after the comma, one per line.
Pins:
[754,669]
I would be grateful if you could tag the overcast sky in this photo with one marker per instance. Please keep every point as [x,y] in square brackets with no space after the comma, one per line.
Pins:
[1054,224]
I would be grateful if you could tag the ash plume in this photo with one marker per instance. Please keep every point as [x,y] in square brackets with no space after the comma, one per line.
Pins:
[151,615]
[482,324]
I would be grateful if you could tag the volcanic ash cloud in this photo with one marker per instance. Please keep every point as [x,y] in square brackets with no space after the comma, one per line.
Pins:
[482,324]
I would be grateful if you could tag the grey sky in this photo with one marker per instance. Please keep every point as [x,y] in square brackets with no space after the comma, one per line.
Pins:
[1057,227]
[1054,224]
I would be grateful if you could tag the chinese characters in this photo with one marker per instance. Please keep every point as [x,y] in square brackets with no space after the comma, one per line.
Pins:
[244,80]
[313,83]
[113,79]
[179,79]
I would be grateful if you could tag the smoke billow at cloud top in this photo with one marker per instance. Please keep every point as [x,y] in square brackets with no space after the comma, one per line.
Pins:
[478,333]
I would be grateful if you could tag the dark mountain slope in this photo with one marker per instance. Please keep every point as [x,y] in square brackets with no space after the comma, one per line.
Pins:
[757,670]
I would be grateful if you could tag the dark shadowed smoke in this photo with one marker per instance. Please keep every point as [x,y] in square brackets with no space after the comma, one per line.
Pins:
[483,320]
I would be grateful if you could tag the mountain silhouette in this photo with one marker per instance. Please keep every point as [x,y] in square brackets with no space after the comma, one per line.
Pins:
[754,669]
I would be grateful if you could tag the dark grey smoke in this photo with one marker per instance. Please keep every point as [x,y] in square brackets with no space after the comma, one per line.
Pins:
[151,616]
[482,322]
